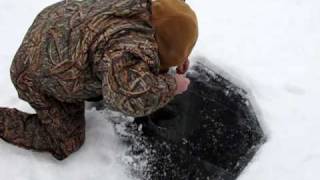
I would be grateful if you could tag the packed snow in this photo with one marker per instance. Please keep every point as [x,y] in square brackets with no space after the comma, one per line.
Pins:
[271,46]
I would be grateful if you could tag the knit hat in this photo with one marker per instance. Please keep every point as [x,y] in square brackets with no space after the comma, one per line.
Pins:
[176,31]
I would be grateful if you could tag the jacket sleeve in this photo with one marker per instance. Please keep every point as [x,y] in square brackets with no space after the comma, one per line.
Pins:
[131,83]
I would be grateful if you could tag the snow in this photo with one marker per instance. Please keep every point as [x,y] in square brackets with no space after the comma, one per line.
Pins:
[273,47]
[270,46]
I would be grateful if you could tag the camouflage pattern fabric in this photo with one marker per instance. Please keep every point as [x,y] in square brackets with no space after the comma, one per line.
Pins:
[79,51]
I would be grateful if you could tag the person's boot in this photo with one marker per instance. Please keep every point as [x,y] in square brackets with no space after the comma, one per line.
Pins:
[11,122]
[2,118]
[22,129]
[13,125]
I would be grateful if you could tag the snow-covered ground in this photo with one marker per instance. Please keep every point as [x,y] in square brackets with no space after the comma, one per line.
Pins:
[271,46]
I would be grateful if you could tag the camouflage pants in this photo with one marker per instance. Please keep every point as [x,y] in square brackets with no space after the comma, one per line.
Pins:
[57,127]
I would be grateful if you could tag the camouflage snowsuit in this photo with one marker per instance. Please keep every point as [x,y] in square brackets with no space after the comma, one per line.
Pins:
[79,51]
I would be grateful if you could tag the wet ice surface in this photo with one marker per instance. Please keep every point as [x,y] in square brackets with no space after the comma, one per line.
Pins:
[209,132]
[271,46]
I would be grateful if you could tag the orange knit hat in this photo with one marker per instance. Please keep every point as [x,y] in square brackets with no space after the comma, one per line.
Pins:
[176,29]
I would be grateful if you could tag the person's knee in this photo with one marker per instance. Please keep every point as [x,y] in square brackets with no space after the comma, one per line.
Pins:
[73,144]
[69,146]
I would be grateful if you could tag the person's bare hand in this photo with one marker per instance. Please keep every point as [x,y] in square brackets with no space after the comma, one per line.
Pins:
[184,67]
[182,84]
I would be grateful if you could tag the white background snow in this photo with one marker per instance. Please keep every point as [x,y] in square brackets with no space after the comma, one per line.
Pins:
[271,46]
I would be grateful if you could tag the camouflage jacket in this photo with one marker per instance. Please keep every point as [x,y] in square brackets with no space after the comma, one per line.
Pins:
[79,50]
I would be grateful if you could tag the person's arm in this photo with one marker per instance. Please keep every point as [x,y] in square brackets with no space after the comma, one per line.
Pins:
[130,82]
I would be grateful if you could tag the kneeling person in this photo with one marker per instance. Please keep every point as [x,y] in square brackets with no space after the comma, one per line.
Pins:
[77,51]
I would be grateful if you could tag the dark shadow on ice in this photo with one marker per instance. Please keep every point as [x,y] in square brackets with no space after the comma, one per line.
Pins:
[209,132]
